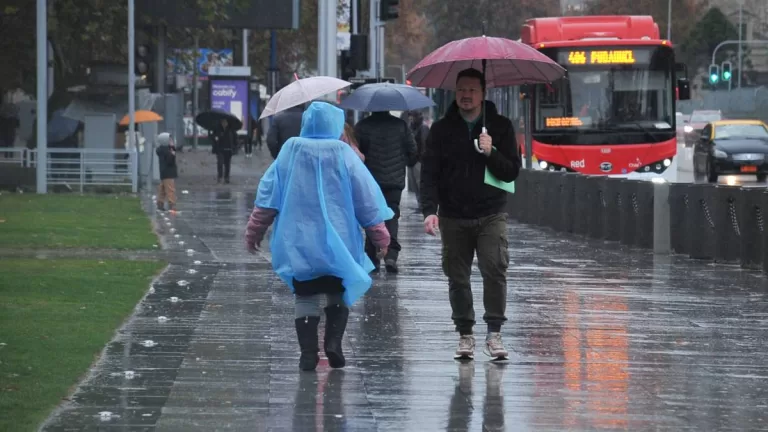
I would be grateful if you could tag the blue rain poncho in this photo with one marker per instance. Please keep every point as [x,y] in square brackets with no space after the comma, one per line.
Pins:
[323,194]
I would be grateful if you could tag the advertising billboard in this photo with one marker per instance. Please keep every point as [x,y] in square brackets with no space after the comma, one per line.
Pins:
[231,95]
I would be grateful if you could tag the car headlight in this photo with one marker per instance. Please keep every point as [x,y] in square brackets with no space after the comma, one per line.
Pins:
[720,154]
[688,129]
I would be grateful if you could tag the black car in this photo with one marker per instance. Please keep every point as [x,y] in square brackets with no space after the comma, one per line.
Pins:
[731,147]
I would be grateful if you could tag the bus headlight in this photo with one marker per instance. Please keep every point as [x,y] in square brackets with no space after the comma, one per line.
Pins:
[667,162]
[688,129]
[543,165]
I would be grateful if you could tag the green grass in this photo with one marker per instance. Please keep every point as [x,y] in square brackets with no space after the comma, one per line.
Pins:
[55,318]
[72,221]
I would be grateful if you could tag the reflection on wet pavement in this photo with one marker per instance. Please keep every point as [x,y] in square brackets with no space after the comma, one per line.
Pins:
[601,338]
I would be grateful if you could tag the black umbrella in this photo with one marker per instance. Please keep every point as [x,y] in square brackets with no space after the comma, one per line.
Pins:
[212,118]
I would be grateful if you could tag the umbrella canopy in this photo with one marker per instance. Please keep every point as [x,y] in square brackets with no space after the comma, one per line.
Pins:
[302,91]
[504,61]
[212,118]
[142,116]
[386,97]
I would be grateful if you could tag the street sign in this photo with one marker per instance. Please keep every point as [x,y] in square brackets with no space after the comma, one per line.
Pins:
[359,82]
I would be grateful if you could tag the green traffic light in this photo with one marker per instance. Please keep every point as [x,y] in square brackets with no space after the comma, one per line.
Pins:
[713,78]
[726,76]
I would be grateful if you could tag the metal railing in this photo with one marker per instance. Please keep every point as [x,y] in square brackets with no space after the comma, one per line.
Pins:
[80,168]
[13,156]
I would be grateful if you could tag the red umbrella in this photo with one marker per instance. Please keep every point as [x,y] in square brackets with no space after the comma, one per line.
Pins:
[504,62]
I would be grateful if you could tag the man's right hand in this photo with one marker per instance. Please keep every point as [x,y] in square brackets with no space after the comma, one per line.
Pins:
[431,225]
[381,253]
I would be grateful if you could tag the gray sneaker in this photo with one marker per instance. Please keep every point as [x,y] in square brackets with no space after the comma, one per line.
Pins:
[466,349]
[494,347]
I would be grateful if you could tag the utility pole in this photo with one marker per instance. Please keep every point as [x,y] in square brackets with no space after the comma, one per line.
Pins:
[42,96]
[669,19]
[132,81]
[741,38]
[196,94]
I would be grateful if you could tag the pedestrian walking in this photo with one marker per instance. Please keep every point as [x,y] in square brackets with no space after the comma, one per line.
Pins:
[349,137]
[388,146]
[166,157]
[224,143]
[420,132]
[285,125]
[470,213]
[318,194]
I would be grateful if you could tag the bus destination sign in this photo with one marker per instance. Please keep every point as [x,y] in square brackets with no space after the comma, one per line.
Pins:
[558,122]
[604,57]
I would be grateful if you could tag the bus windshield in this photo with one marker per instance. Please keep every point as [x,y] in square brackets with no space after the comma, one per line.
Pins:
[608,89]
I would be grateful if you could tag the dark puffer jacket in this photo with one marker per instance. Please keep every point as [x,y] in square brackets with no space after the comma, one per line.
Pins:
[388,146]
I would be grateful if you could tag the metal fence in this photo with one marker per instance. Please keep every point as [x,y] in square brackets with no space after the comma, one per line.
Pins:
[82,169]
[13,156]
[704,221]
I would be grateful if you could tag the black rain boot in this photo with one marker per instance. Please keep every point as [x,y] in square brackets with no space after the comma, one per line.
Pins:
[306,330]
[335,323]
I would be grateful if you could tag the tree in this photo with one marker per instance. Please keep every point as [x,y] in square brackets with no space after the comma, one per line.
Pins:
[409,37]
[453,20]
[713,28]
[658,9]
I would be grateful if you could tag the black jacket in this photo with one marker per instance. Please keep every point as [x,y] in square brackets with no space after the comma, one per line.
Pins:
[224,140]
[166,162]
[453,172]
[286,124]
[388,146]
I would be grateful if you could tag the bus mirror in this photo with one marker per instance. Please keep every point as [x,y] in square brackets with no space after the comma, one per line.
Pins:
[683,89]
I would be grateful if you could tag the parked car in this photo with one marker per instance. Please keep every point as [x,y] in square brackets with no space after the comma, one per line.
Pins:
[731,147]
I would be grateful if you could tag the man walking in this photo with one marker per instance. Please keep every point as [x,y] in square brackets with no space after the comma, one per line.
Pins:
[388,146]
[471,213]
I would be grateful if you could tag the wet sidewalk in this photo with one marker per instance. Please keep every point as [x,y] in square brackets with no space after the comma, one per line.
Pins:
[601,338]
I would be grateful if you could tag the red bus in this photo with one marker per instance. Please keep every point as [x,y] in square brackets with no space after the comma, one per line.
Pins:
[614,112]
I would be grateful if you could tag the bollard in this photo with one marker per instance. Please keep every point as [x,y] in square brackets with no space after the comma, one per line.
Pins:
[679,208]
[753,212]
[628,212]
[701,239]
[644,216]
[523,188]
[726,215]
[582,204]
[597,207]
[662,241]
[567,201]
[613,203]
[548,183]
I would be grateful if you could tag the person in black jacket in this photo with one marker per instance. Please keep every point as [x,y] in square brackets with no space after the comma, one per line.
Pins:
[471,213]
[224,144]
[388,146]
[166,156]
[286,124]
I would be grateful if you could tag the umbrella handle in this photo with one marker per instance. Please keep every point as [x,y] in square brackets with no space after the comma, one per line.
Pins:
[477,142]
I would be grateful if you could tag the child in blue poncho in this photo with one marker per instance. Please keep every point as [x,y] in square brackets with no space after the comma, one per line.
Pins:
[318,193]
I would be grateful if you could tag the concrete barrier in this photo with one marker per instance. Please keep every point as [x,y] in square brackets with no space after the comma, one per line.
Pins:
[704,221]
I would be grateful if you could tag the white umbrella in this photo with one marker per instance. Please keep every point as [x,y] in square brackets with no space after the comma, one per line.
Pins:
[302,91]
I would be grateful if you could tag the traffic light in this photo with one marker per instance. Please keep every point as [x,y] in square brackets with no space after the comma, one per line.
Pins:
[714,74]
[143,64]
[389,9]
[347,69]
[726,71]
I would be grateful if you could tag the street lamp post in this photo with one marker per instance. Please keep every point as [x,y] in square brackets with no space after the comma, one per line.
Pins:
[741,38]
[669,20]
[42,97]
[132,83]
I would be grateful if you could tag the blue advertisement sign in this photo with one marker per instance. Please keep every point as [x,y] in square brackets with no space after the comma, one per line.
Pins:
[231,96]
